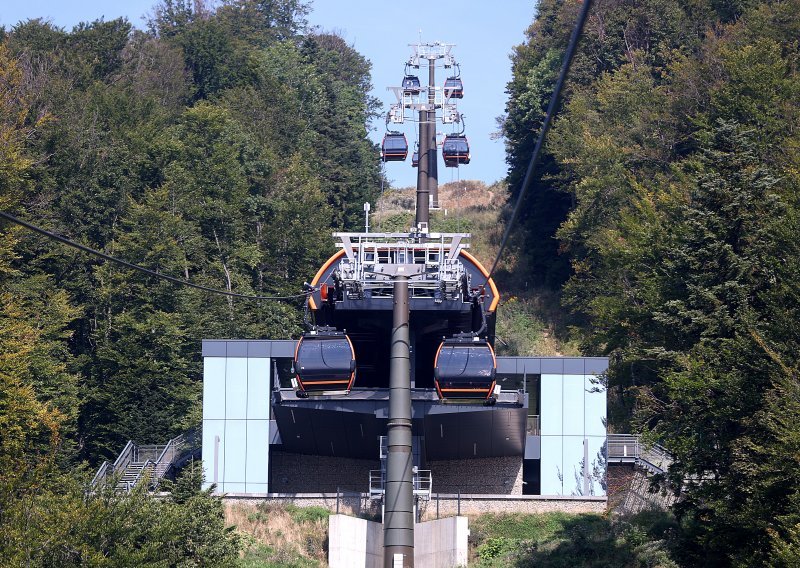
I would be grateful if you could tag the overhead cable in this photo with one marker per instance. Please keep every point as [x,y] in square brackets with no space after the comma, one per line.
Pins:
[551,110]
[132,266]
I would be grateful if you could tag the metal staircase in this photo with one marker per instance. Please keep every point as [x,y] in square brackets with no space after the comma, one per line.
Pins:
[648,461]
[627,448]
[151,462]
[421,480]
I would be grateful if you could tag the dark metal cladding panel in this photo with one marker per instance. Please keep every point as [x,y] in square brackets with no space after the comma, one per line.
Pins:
[363,432]
[507,365]
[258,349]
[508,431]
[329,433]
[294,425]
[573,365]
[553,366]
[284,348]
[237,348]
[530,366]
[596,365]
[451,431]
[475,435]
[214,348]
[441,436]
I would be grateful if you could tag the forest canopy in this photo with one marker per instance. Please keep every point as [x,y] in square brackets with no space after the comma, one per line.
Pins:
[220,145]
[666,212]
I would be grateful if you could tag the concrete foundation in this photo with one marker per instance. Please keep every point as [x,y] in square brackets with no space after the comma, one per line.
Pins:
[442,505]
[442,543]
[358,543]
[354,543]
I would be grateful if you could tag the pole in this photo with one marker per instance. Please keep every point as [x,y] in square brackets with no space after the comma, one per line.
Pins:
[423,215]
[433,162]
[398,523]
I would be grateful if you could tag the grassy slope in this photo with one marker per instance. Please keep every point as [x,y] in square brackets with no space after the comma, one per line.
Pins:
[297,538]
[557,540]
[289,537]
[529,321]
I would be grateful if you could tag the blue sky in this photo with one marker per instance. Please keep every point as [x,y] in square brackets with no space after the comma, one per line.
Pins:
[484,34]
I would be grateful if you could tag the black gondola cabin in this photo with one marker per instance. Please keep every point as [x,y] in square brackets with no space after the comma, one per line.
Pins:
[455,150]
[453,88]
[465,368]
[394,147]
[325,361]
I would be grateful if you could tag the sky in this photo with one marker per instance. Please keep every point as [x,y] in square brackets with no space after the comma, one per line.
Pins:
[484,34]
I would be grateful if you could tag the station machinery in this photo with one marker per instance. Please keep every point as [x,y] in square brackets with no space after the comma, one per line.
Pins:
[452,306]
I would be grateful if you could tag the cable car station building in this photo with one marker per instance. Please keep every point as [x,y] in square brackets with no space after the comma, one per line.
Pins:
[395,390]
[527,425]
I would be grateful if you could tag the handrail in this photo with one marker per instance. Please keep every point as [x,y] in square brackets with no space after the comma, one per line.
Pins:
[628,448]
[170,445]
[125,453]
[157,458]
[423,483]
[138,477]
[533,425]
[101,474]
[623,446]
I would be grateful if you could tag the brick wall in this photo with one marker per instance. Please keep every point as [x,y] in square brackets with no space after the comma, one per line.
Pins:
[497,476]
[298,473]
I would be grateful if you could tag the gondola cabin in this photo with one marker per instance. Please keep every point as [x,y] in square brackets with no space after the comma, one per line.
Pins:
[411,85]
[455,150]
[394,147]
[415,159]
[453,88]
[324,361]
[465,368]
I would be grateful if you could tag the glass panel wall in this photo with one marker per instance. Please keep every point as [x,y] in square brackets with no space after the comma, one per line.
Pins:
[573,430]
[236,410]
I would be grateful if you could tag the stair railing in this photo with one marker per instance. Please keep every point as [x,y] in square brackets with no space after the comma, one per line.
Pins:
[147,467]
[102,473]
[158,459]
[126,456]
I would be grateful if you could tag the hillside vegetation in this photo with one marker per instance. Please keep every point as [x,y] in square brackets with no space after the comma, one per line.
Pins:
[666,211]
[222,145]
[530,319]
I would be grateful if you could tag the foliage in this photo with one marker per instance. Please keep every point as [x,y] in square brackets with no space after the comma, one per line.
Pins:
[494,547]
[60,524]
[281,535]
[222,146]
[677,147]
[311,514]
[557,539]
